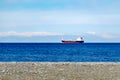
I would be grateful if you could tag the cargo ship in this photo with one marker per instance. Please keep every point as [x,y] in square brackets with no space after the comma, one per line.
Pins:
[77,41]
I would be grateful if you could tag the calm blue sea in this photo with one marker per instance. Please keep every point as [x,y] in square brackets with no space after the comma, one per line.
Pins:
[58,52]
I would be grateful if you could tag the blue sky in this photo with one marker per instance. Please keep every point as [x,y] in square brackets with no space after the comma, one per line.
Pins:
[49,20]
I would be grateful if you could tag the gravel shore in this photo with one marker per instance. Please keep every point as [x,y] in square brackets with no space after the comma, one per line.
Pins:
[59,71]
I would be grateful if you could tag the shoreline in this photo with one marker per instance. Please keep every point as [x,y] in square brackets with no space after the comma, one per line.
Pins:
[87,63]
[59,70]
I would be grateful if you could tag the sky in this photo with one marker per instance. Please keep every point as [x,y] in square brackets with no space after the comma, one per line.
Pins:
[51,20]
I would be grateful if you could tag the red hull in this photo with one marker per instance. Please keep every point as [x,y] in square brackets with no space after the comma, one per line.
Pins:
[72,42]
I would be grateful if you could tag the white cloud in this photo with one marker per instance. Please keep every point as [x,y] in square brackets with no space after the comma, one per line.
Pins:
[109,36]
[91,32]
[102,35]
[28,34]
[33,18]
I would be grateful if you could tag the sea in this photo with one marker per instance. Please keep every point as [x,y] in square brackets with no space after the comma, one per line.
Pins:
[58,52]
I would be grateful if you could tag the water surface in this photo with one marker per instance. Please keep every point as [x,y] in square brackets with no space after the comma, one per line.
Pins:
[58,52]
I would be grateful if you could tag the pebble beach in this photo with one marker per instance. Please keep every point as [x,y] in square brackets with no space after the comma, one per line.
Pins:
[59,71]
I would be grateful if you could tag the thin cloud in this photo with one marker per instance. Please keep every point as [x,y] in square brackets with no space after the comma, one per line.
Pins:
[91,33]
[28,34]
[102,35]
[109,36]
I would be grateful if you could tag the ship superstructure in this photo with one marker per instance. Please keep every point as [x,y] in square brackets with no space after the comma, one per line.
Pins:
[78,40]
